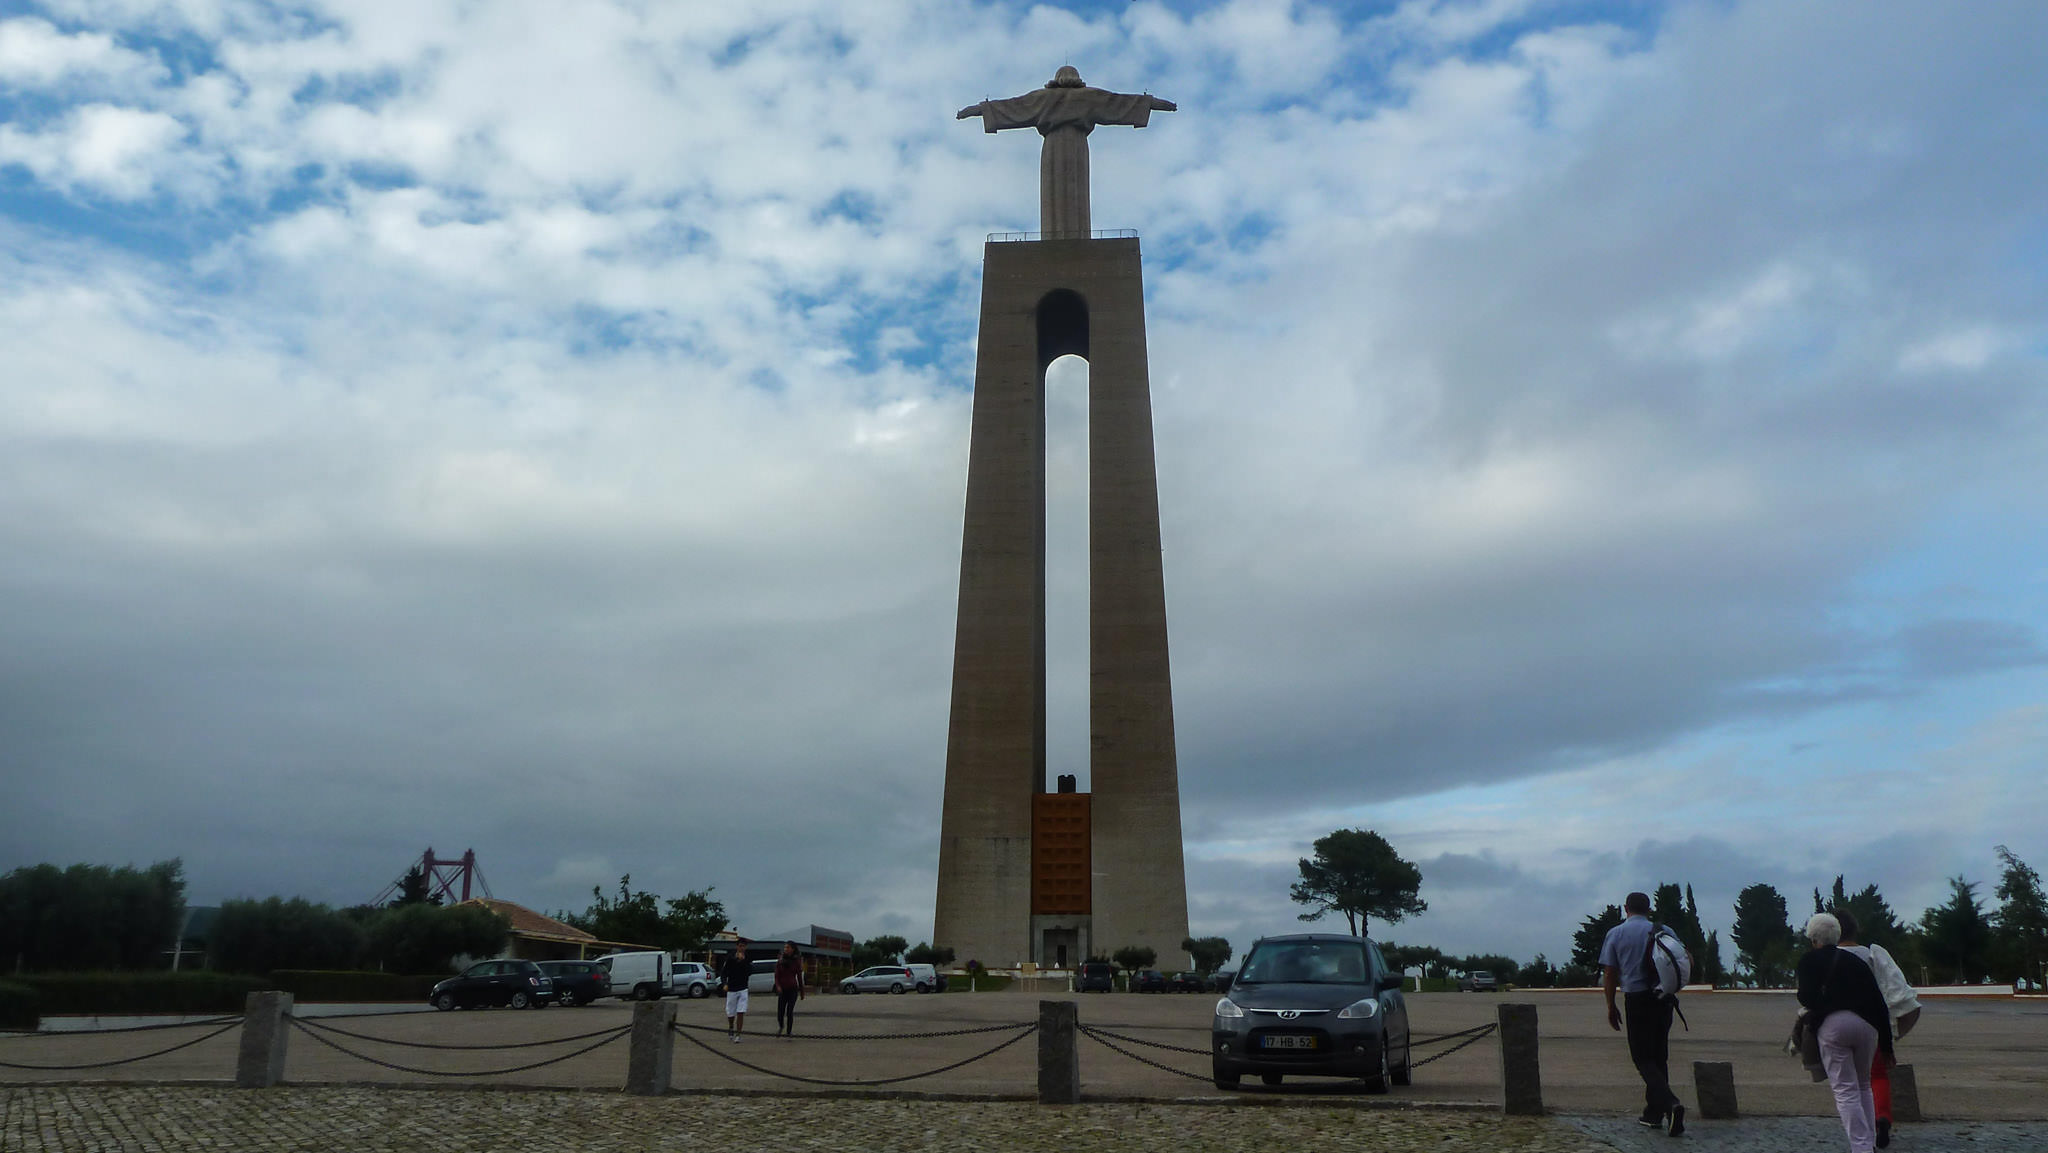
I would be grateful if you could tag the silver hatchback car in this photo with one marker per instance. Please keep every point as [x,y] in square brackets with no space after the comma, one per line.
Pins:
[880,979]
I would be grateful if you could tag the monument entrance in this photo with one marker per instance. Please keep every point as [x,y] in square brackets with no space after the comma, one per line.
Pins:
[1026,874]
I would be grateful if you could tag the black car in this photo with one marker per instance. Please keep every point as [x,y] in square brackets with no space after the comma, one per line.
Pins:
[577,982]
[1187,983]
[1313,1003]
[1095,977]
[1219,981]
[519,984]
[1149,981]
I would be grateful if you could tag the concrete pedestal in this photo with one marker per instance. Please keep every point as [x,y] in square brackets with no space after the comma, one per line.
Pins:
[266,1026]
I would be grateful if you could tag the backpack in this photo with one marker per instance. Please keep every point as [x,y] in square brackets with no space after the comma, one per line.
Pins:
[1667,966]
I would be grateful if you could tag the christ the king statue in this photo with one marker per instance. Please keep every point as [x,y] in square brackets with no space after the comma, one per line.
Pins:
[1065,111]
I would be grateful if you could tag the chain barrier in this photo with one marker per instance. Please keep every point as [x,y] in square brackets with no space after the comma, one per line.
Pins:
[1099,1037]
[200,1024]
[231,1024]
[1472,1036]
[880,1036]
[1024,1030]
[314,1023]
[611,1036]
[1091,1030]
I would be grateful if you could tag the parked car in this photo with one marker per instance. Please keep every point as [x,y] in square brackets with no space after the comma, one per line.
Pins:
[1313,1003]
[577,982]
[519,984]
[1219,981]
[693,979]
[643,976]
[1095,977]
[1148,981]
[926,978]
[880,979]
[1187,983]
[1478,981]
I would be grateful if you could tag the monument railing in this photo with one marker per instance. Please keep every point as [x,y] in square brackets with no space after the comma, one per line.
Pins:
[1098,234]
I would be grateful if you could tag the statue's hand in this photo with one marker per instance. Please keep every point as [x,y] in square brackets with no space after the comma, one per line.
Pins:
[968,113]
[1159,105]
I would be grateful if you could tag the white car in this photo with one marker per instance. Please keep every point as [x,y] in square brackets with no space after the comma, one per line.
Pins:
[880,979]
[693,979]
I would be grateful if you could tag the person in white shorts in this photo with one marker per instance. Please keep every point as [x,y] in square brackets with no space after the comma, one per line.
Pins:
[737,970]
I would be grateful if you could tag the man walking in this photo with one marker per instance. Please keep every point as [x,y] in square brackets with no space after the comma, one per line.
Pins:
[1649,1016]
[736,972]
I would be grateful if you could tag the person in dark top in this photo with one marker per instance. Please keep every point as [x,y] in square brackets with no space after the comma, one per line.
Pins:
[789,989]
[736,971]
[1839,991]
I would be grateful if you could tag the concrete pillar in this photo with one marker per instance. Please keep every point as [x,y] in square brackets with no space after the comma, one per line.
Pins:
[259,1063]
[1059,1053]
[1521,1077]
[1905,1094]
[653,1048]
[1713,1083]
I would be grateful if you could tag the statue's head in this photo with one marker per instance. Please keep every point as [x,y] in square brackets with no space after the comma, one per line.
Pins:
[1067,77]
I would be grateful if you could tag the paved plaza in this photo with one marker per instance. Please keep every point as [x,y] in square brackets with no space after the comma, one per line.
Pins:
[1979,1063]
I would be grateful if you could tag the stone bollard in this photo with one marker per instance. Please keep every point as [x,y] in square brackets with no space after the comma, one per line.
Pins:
[259,1063]
[1521,1077]
[1905,1094]
[1059,1053]
[1713,1083]
[653,1048]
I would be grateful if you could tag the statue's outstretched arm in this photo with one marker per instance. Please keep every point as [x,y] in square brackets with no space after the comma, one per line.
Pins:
[969,112]
[1159,105]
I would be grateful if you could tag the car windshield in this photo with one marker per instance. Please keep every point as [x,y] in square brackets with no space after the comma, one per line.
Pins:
[1305,962]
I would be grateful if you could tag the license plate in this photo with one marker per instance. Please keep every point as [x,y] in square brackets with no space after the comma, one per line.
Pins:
[1289,1041]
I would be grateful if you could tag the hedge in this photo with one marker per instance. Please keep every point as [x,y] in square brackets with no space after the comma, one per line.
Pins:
[19,1006]
[352,985]
[103,993]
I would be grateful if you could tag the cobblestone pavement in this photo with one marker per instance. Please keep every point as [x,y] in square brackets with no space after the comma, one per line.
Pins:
[1812,1135]
[171,1119]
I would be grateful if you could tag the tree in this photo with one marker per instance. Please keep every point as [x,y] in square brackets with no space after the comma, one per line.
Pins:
[2022,921]
[1681,916]
[264,936]
[1764,941]
[693,919]
[1208,953]
[1710,971]
[1131,958]
[426,938]
[879,951]
[1876,924]
[413,889]
[1538,974]
[1357,873]
[1591,934]
[938,956]
[1955,936]
[1406,957]
[90,916]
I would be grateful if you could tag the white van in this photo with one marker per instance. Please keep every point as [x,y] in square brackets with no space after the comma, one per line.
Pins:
[928,978]
[641,976]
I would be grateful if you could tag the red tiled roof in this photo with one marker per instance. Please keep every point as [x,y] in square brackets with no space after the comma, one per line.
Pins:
[527,923]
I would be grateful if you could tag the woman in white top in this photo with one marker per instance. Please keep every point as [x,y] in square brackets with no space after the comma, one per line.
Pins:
[1905,1010]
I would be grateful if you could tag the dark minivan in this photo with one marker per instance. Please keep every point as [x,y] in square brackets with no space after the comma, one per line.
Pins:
[1318,1004]
[1096,977]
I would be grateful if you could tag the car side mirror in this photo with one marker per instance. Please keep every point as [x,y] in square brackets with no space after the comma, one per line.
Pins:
[1390,983]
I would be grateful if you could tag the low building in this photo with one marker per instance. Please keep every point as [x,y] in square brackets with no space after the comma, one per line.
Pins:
[536,937]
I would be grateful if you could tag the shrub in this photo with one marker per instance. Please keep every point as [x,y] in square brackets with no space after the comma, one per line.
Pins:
[104,993]
[352,985]
[19,1006]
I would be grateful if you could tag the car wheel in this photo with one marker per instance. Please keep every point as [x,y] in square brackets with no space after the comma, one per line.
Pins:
[445,1002]
[698,991]
[1381,1081]
[1404,1073]
[643,992]
[923,988]
[1226,1080]
[849,988]
[1270,1078]
[520,1000]
[895,986]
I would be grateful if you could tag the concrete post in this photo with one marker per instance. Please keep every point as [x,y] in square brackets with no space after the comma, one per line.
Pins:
[1713,1082]
[1059,1053]
[653,1048]
[1905,1094]
[259,1063]
[1521,1077]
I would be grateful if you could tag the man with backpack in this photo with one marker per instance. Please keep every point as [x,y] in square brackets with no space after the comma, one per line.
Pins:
[1631,957]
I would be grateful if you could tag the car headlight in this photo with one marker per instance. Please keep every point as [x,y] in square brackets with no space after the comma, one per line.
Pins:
[1228,1008]
[1359,1010]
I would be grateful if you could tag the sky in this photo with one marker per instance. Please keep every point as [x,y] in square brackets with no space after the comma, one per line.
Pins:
[1600,444]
